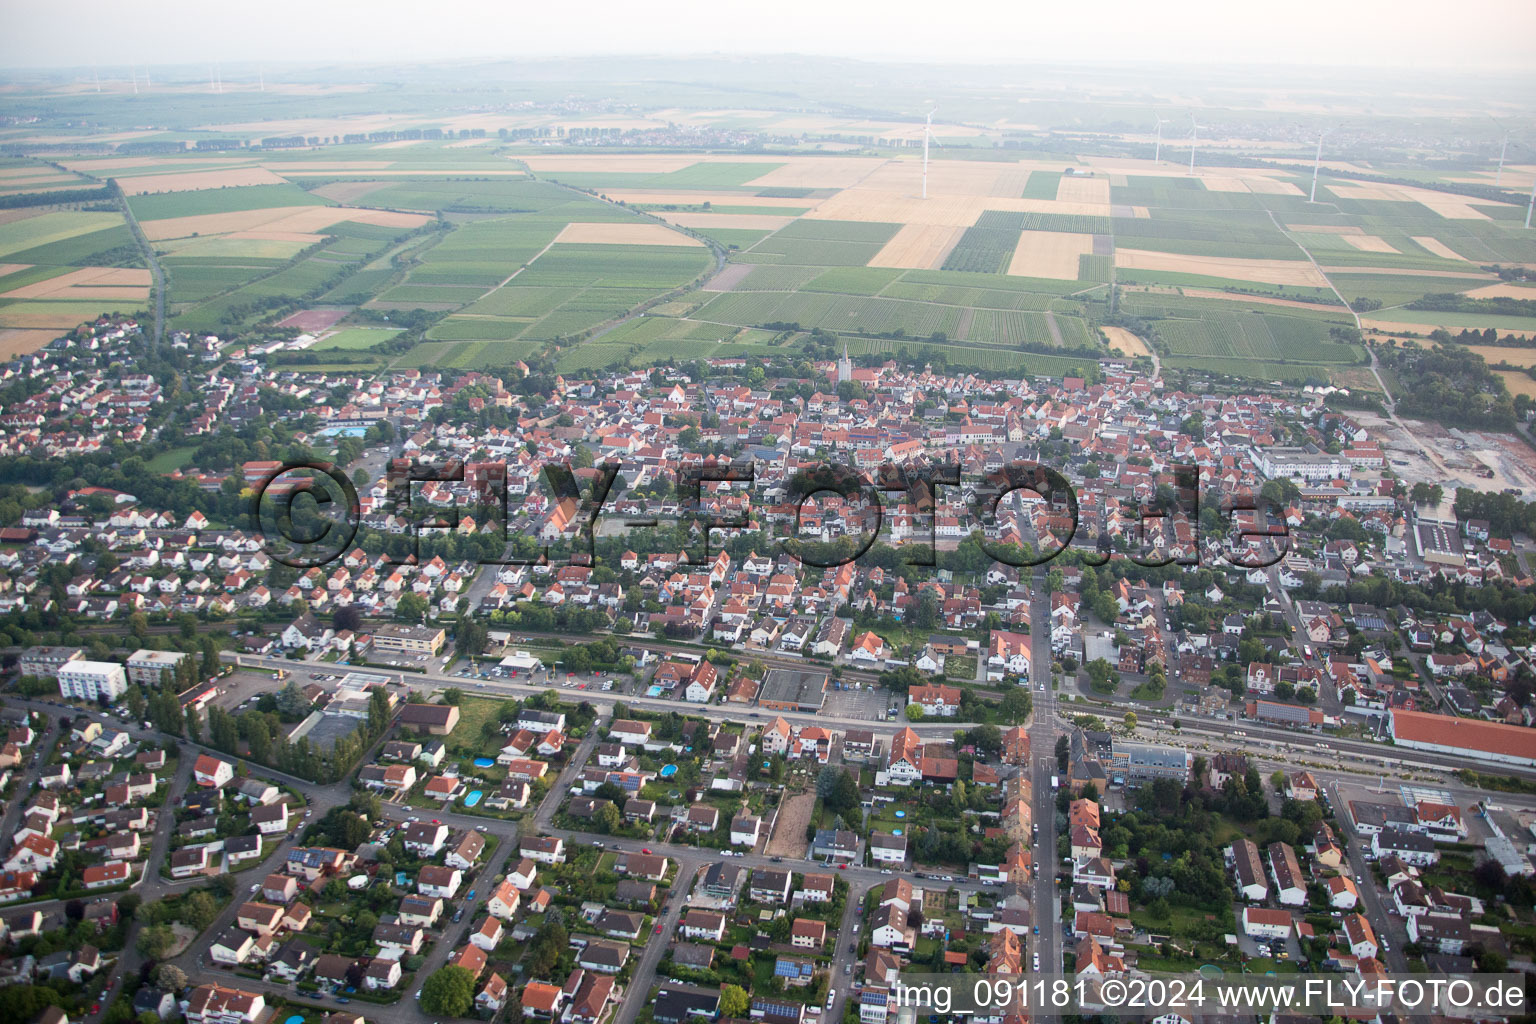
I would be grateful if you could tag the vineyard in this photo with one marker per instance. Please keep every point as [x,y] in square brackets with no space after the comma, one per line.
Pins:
[1255,336]
[983,250]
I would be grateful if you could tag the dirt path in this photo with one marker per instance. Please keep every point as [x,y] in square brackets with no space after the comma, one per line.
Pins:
[1050,322]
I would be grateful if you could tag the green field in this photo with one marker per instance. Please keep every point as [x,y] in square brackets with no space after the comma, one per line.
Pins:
[163,205]
[1256,336]
[355,338]
[31,233]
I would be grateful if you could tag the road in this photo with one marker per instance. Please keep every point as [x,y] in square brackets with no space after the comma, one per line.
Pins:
[1045,906]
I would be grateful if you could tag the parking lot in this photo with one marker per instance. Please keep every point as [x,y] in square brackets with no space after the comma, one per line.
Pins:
[866,704]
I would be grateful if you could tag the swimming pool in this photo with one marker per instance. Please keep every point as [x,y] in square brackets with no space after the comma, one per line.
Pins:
[473,797]
[668,770]
[484,762]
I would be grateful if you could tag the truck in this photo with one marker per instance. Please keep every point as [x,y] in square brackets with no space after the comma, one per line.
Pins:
[1055,782]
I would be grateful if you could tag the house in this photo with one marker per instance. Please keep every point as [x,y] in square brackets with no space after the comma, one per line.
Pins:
[769,885]
[745,829]
[232,947]
[1285,869]
[1360,936]
[212,772]
[1264,923]
[271,819]
[439,880]
[279,888]
[543,849]
[432,719]
[488,935]
[492,995]
[424,839]
[703,924]
[886,848]
[504,901]
[676,1003]
[1248,870]
[807,934]
[587,996]
[382,974]
[214,1004]
[1411,848]
[542,1000]
[936,700]
[603,956]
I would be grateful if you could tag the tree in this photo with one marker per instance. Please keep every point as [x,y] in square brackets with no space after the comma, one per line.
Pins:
[914,712]
[155,941]
[733,1001]
[1130,722]
[1016,705]
[170,977]
[198,910]
[606,818]
[450,992]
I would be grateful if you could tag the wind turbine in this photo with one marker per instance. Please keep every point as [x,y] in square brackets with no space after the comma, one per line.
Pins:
[1157,151]
[1316,163]
[1503,148]
[1194,139]
[927,136]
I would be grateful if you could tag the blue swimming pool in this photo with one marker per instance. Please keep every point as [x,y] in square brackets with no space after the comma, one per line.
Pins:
[668,770]
[484,762]
[473,797]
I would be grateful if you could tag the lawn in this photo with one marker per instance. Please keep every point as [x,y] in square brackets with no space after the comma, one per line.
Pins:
[356,338]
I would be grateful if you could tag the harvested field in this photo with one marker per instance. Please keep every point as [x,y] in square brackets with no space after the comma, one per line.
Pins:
[1399,328]
[747,221]
[467,143]
[1447,205]
[1050,254]
[728,278]
[1272,187]
[1126,343]
[866,204]
[285,219]
[1522,357]
[11,268]
[1392,271]
[313,319]
[1293,272]
[19,342]
[918,247]
[1082,190]
[1492,291]
[1518,383]
[622,234]
[639,197]
[1437,247]
[398,144]
[196,181]
[299,238]
[89,283]
[976,178]
[814,172]
[1330,229]
[1262,300]
[638,163]
[347,191]
[1370,243]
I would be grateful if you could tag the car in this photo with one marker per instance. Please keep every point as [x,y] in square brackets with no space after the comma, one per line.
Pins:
[847,968]
[471,895]
[482,828]
[776,860]
[645,850]
[598,844]
[1037,961]
[851,947]
[831,998]
[256,887]
[342,999]
[418,993]
[95,1007]
[885,871]
[436,822]
[658,927]
[1037,929]
[842,867]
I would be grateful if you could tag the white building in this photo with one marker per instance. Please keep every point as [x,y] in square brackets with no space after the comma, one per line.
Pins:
[91,680]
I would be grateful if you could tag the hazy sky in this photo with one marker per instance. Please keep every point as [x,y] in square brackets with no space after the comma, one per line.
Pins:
[1476,34]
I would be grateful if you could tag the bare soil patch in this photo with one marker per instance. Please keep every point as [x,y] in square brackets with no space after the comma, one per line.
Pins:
[1126,342]
[746,221]
[788,839]
[20,342]
[729,278]
[1370,243]
[1437,247]
[313,319]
